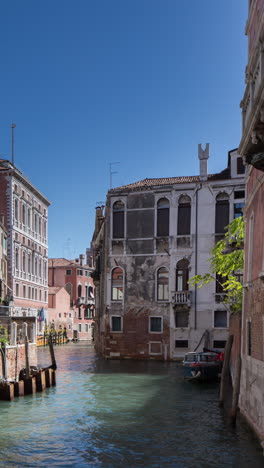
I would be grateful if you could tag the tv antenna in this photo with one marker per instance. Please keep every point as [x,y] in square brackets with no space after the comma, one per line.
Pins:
[112,172]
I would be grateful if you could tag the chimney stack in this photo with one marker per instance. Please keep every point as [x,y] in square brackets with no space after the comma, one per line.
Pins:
[81,257]
[203,155]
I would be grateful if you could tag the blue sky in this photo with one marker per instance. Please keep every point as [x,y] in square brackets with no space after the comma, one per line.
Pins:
[139,82]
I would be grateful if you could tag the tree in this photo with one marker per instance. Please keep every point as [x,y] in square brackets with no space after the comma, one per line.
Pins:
[227,261]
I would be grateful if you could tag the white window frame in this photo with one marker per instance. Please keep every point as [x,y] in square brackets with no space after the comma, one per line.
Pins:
[156,316]
[111,324]
[155,342]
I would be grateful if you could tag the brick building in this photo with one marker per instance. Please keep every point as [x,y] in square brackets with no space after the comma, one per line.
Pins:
[152,236]
[24,211]
[75,277]
[252,149]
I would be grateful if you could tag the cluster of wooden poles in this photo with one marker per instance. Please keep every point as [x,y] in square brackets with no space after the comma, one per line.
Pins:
[34,380]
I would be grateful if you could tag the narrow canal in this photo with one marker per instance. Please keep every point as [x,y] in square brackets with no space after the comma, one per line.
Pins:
[111,414]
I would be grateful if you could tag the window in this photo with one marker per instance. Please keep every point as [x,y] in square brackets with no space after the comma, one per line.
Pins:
[36,294]
[24,262]
[80,272]
[80,327]
[59,314]
[163,217]
[79,290]
[116,323]
[17,259]
[221,213]
[45,296]
[86,327]
[79,313]
[90,292]
[238,209]
[40,295]
[17,289]
[117,284]
[155,324]
[219,280]
[68,272]
[220,319]
[24,291]
[118,220]
[29,218]
[181,343]
[16,210]
[240,166]
[239,194]
[162,284]
[182,275]
[181,319]
[29,263]
[155,347]
[23,214]
[249,338]
[184,216]
[219,344]
[29,292]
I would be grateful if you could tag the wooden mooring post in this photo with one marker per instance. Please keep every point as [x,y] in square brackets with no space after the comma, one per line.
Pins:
[236,390]
[52,354]
[225,370]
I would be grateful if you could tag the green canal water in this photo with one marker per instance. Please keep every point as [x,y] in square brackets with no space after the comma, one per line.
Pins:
[121,414]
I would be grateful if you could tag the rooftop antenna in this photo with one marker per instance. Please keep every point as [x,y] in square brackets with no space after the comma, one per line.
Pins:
[112,172]
[13,126]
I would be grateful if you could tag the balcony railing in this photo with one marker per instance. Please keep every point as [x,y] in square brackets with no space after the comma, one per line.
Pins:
[220,297]
[182,298]
[4,311]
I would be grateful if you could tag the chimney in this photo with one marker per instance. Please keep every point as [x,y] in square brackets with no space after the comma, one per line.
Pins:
[203,155]
[81,257]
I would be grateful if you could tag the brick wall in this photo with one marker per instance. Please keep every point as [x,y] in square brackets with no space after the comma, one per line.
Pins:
[16,359]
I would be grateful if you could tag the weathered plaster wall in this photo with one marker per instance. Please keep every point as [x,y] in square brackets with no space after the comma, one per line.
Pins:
[16,359]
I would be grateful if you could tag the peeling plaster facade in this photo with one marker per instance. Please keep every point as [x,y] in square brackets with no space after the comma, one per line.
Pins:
[149,239]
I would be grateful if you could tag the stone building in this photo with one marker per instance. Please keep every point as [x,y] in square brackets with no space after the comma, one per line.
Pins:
[252,149]
[25,213]
[152,236]
[75,276]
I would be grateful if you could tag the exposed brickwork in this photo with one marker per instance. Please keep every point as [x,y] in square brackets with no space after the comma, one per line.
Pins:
[16,359]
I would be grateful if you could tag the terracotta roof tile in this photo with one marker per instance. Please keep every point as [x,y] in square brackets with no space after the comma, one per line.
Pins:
[148,183]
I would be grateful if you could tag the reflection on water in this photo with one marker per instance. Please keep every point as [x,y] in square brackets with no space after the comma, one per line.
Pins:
[121,414]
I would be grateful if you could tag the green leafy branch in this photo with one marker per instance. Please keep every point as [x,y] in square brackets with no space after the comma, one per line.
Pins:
[226,261]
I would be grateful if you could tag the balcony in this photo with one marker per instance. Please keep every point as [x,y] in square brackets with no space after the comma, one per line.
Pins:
[220,297]
[4,311]
[182,298]
[84,301]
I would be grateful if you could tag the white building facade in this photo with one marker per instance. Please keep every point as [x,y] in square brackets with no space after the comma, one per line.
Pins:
[158,233]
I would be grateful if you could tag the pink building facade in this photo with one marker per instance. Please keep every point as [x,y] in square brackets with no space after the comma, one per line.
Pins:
[252,149]
[75,277]
[60,312]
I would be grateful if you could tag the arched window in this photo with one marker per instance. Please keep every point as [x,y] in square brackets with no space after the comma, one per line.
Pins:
[24,262]
[36,267]
[16,210]
[184,216]
[182,275]
[68,288]
[29,263]
[117,284]
[221,213]
[118,220]
[23,214]
[79,290]
[40,226]
[40,268]
[29,218]
[163,284]
[163,217]
[17,259]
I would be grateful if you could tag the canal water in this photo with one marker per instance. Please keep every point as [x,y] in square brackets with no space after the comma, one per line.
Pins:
[111,414]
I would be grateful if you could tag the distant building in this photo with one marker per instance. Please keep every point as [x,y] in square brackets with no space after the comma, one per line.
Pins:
[252,149]
[75,277]
[4,289]
[25,214]
[152,236]
[60,312]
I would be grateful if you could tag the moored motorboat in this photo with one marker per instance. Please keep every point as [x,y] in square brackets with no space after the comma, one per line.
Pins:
[205,365]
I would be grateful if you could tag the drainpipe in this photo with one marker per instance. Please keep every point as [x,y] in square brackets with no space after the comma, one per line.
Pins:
[196,253]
